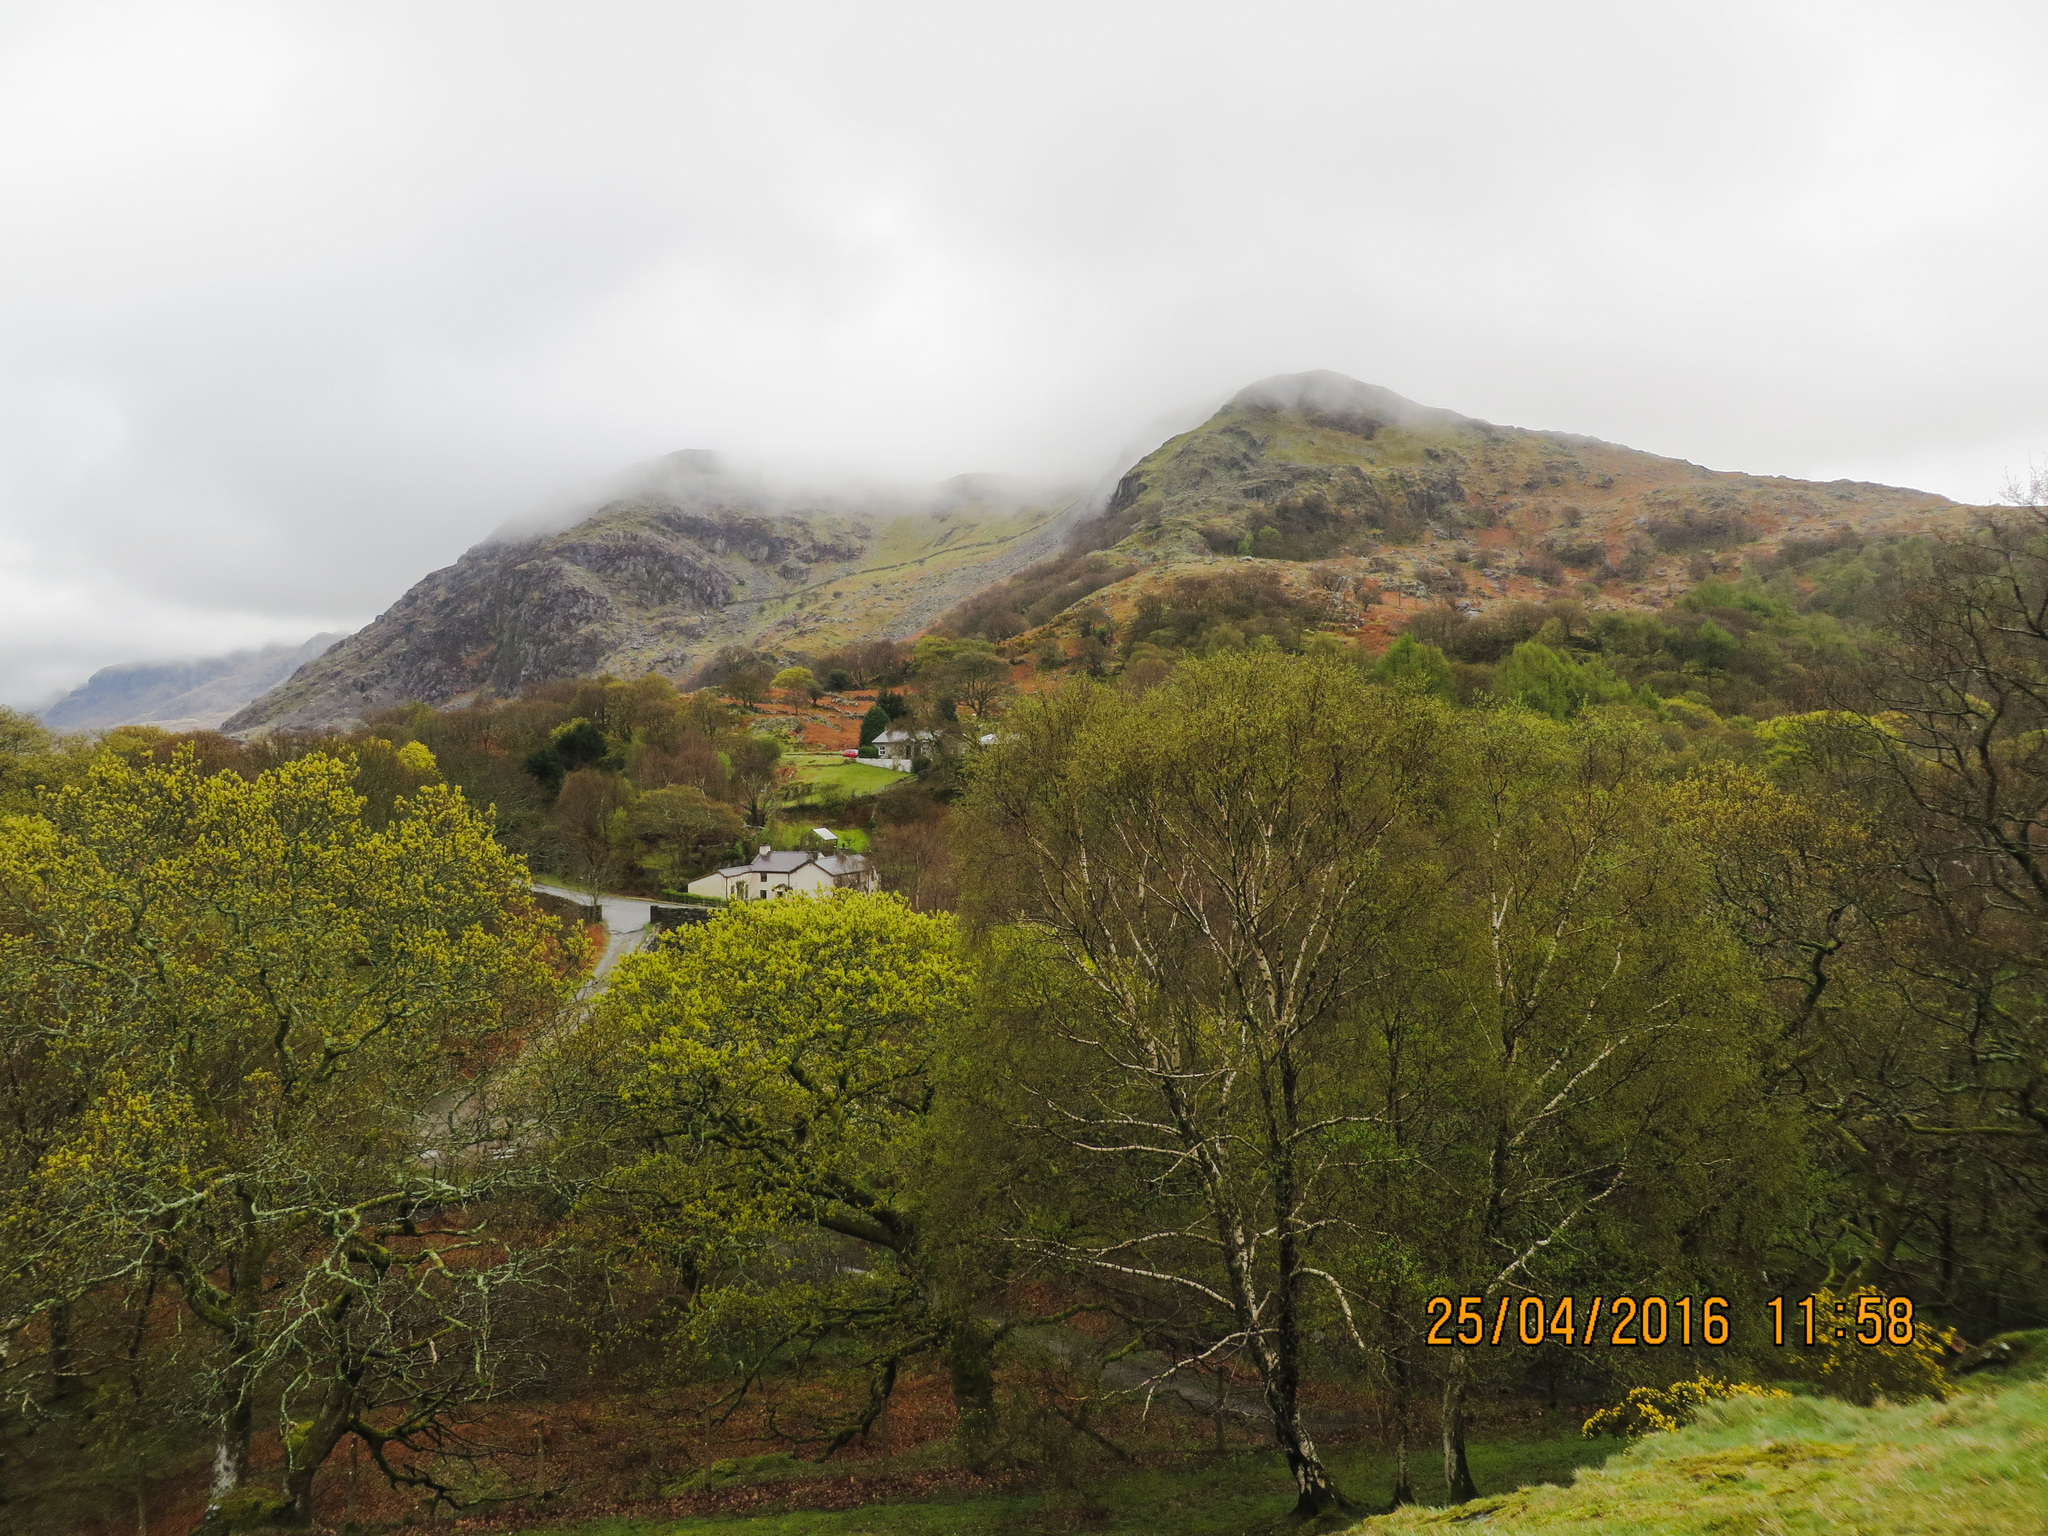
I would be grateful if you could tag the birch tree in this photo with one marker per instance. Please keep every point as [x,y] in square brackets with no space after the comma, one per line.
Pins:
[1596,1024]
[1201,885]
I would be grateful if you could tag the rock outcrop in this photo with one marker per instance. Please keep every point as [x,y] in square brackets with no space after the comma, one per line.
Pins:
[1330,482]
[659,580]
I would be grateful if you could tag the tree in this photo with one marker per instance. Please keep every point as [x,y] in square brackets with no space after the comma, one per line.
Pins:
[778,1067]
[592,817]
[681,831]
[1206,879]
[34,758]
[873,723]
[1891,881]
[1593,1029]
[1541,679]
[970,672]
[572,747]
[755,765]
[750,683]
[1410,664]
[797,685]
[1964,739]
[273,1019]
[1340,994]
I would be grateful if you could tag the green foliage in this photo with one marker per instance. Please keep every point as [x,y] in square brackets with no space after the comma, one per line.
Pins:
[681,832]
[780,1059]
[1857,1372]
[1785,638]
[1296,994]
[797,684]
[1423,668]
[1798,1464]
[971,672]
[33,759]
[232,1003]
[1538,678]
[1268,911]
[1226,611]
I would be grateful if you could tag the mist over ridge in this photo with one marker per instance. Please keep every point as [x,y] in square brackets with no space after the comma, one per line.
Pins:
[1315,476]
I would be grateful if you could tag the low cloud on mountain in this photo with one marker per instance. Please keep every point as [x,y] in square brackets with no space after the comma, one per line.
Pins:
[301,302]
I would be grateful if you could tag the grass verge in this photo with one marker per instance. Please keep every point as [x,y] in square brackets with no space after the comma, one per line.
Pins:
[1974,1466]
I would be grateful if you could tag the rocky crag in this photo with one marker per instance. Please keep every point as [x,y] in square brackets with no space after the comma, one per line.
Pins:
[659,580]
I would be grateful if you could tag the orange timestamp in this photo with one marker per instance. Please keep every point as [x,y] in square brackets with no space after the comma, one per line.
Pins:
[1877,1320]
[1618,1321]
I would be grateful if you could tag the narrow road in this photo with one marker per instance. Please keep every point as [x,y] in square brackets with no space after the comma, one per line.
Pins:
[626,920]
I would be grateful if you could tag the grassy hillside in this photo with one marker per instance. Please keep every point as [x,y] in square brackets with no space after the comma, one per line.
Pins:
[855,778]
[1977,1464]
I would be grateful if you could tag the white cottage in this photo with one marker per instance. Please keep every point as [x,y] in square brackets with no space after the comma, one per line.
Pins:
[777,874]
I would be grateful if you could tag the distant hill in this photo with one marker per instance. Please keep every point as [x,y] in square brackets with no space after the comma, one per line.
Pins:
[659,580]
[1421,505]
[179,695]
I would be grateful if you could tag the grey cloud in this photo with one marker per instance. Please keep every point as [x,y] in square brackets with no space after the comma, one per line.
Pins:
[299,302]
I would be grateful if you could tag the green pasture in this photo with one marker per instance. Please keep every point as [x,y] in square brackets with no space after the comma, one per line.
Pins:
[818,772]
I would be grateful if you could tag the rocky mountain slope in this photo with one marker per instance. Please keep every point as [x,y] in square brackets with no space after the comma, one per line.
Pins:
[179,695]
[659,580]
[1331,483]
[1354,489]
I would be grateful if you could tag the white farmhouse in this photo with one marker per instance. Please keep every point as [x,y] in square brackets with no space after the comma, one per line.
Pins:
[777,874]
[900,746]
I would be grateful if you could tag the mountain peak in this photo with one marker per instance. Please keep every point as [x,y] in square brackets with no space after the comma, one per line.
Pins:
[1337,399]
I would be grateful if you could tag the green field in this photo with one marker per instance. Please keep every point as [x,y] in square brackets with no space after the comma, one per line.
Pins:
[817,772]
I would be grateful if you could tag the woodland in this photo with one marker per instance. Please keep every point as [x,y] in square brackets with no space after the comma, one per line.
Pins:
[1234,989]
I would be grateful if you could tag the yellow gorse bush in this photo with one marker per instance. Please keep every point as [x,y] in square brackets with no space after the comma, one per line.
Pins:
[1864,1373]
[1653,1410]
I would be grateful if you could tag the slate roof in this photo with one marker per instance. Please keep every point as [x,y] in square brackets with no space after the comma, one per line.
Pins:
[775,861]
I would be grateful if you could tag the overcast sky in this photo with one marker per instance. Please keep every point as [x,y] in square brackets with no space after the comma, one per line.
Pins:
[299,301]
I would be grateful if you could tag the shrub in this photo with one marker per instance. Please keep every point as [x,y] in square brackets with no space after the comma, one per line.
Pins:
[1863,1373]
[1652,1410]
[1700,528]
